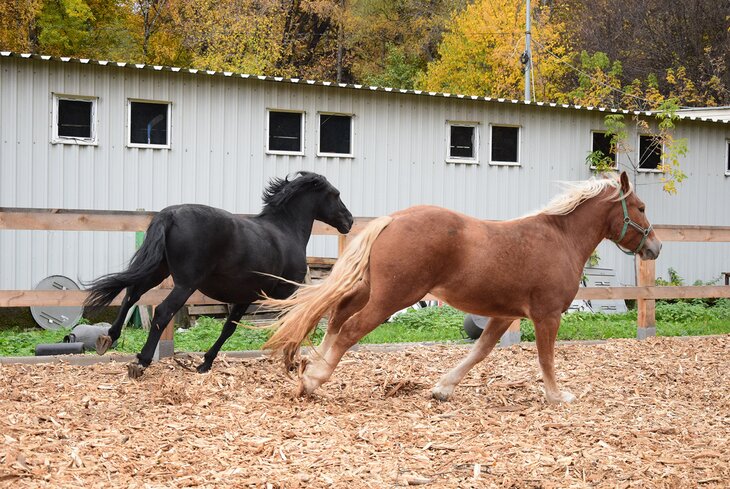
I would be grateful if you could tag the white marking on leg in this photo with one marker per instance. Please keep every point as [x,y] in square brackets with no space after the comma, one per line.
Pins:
[553,394]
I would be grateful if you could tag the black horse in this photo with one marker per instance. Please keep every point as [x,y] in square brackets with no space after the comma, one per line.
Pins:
[224,256]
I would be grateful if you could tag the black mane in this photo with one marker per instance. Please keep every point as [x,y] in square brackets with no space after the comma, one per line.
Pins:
[280,191]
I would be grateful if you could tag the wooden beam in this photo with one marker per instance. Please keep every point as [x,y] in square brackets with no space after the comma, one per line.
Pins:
[684,292]
[70,220]
[30,298]
[98,220]
[694,234]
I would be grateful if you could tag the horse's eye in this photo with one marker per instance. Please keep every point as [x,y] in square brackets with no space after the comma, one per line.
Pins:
[642,209]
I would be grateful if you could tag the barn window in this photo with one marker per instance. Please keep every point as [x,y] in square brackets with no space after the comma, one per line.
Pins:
[335,135]
[149,124]
[727,157]
[650,152]
[74,119]
[505,145]
[463,142]
[600,141]
[286,132]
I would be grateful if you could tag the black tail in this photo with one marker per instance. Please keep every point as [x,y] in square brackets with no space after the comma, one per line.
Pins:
[145,261]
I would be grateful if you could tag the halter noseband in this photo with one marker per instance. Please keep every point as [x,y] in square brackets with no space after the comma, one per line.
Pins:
[628,222]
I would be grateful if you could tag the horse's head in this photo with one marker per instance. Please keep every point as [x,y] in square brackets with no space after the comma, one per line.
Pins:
[324,199]
[629,227]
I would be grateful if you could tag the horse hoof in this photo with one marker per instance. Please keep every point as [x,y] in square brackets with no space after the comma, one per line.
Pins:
[441,393]
[135,370]
[299,391]
[103,343]
[203,368]
[563,396]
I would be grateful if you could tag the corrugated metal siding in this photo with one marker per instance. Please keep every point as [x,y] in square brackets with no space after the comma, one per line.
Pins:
[218,158]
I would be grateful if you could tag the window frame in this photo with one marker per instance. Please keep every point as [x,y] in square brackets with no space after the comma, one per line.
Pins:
[519,145]
[130,144]
[474,160]
[615,155]
[638,153]
[727,157]
[56,139]
[302,132]
[322,154]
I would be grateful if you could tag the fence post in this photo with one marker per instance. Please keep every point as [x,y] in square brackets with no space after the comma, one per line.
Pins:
[341,244]
[645,308]
[512,336]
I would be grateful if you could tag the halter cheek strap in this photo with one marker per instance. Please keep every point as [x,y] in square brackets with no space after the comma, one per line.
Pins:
[628,222]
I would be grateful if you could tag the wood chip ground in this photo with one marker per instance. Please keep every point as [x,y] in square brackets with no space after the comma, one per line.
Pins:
[649,414]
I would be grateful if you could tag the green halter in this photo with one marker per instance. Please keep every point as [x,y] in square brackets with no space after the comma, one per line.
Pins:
[628,222]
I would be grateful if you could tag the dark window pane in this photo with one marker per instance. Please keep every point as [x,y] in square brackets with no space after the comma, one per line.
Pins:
[285,131]
[602,143]
[148,123]
[462,142]
[727,168]
[650,152]
[504,143]
[334,133]
[74,118]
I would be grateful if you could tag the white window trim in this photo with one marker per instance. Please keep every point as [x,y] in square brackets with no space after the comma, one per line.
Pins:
[56,139]
[301,134]
[615,156]
[130,144]
[474,160]
[727,157]
[351,154]
[638,153]
[519,146]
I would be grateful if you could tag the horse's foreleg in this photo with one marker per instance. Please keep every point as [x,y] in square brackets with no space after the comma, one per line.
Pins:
[229,327]
[546,331]
[163,314]
[484,345]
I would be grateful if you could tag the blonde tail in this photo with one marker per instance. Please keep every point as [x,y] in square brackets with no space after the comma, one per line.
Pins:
[301,312]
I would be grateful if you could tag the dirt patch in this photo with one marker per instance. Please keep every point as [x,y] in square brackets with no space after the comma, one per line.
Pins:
[649,414]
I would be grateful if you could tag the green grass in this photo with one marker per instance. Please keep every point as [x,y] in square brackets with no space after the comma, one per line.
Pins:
[431,324]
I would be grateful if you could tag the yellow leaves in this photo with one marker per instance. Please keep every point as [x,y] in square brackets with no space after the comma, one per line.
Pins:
[481,53]
[17,19]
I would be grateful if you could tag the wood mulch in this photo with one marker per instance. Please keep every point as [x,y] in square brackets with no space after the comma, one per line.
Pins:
[649,414]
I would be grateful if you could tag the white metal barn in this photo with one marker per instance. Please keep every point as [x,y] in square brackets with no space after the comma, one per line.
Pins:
[84,134]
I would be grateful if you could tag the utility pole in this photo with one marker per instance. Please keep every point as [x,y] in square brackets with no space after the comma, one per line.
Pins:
[526,57]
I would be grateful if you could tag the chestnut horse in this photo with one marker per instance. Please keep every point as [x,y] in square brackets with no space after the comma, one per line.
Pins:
[527,267]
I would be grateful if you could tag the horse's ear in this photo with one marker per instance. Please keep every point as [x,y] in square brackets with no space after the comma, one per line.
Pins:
[625,185]
[293,176]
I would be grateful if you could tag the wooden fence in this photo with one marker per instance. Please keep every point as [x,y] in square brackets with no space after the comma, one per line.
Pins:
[646,293]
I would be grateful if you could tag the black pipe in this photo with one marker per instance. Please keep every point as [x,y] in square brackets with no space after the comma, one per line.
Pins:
[45,349]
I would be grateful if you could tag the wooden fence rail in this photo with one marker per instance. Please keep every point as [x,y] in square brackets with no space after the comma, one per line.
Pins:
[646,293]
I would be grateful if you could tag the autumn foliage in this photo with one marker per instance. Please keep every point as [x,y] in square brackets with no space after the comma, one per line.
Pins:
[598,52]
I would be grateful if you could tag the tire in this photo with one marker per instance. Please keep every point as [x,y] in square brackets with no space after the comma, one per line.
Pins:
[474,325]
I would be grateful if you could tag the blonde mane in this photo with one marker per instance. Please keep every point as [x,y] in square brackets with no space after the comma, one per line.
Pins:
[578,192]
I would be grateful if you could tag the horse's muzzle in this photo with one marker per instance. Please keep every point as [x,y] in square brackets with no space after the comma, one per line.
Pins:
[344,227]
[651,249]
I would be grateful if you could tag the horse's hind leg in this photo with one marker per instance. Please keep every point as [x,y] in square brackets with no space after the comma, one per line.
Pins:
[352,330]
[163,314]
[132,295]
[228,329]
[546,331]
[349,305]
[484,345]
